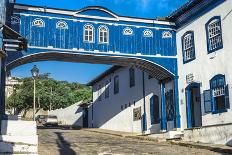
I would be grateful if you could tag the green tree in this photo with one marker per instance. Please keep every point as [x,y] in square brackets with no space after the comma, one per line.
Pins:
[58,94]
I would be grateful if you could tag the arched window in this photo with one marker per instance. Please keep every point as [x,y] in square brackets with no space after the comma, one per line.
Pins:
[217,98]
[88,33]
[103,34]
[15,20]
[61,25]
[214,34]
[188,47]
[166,34]
[147,33]
[127,31]
[38,22]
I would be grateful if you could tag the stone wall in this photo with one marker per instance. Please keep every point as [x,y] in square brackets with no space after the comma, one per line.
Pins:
[71,115]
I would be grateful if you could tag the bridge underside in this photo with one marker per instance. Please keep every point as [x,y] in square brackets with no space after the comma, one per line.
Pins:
[149,67]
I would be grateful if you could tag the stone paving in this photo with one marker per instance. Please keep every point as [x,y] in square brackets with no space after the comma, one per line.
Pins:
[81,142]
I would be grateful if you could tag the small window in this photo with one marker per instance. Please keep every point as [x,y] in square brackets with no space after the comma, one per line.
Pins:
[147,33]
[61,25]
[214,34]
[188,46]
[38,23]
[103,34]
[88,33]
[116,84]
[166,34]
[127,31]
[15,20]
[132,77]
[99,93]
[107,89]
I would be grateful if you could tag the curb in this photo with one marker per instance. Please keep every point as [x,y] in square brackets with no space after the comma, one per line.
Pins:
[191,145]
[198,146]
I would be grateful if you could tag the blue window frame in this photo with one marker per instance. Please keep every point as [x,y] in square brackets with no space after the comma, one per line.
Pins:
[216,99]
[154,109]
[188,47]
[132,77]
[214,34]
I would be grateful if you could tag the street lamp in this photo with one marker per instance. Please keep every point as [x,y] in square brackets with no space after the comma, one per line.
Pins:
[35,73]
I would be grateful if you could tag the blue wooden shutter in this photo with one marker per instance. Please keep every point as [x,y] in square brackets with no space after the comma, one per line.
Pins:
[208,100]
[152,109]
[227,99]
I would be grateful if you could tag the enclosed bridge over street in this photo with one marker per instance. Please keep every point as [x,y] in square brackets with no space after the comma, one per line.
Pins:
[99,36]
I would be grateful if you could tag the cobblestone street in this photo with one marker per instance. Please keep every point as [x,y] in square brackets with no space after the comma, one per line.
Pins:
[80,142]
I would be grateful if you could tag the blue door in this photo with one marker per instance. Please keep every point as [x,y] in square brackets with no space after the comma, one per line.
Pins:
[193,105]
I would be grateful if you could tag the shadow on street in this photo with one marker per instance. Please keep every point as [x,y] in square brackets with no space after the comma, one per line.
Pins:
[64,146]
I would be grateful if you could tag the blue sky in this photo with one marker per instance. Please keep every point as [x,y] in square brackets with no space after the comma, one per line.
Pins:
[83,73]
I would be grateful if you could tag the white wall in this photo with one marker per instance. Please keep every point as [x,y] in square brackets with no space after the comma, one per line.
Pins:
[71,115]
[107,113]
[205,66]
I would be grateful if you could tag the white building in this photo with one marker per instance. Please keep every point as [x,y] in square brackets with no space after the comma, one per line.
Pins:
[204,46]
[119,97]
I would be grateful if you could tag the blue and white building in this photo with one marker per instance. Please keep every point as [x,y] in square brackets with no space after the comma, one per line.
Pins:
[186,55]
[124,96]
[204,48]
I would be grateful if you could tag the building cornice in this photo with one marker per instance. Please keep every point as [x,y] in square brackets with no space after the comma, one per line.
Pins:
[74,13]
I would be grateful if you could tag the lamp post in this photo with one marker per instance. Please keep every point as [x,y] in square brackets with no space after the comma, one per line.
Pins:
[35,73]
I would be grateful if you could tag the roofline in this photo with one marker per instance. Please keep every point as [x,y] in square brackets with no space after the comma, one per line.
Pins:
[184,8]
[75,14]
[103,75]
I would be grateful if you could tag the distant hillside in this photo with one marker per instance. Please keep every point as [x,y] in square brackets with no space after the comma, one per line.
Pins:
[58,94]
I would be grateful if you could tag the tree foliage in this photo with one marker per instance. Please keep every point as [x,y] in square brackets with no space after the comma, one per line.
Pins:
[58,94]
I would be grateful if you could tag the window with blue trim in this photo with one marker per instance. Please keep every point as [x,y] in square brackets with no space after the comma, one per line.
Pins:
[132,77]
[107,89]
[188,47]
[214,34]
[116,84]
[154,109]
[217,98]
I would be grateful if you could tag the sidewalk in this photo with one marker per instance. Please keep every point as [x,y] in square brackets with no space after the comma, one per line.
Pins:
[211,147]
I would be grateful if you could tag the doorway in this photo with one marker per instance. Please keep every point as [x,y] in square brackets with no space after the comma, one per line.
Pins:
[193,105]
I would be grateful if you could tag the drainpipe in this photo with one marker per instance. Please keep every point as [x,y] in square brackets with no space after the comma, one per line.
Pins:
[92,109]
[177,106]
[144,106]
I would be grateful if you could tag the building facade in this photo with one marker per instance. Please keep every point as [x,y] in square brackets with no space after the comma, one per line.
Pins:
[203,40]
[123,97]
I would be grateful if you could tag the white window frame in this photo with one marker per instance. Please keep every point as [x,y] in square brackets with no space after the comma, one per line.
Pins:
[15,20]
[147,33]
[188,47]
[35,22]
[58,26]
[102,35]
[128,31]
[88,35]
[214,34]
